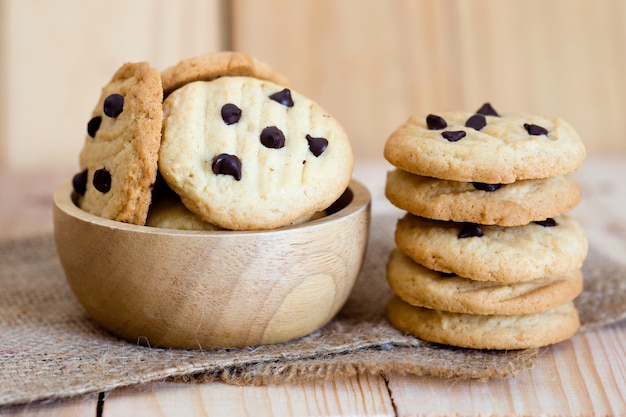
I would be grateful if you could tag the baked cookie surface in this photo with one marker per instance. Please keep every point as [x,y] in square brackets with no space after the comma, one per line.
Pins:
[494,253]
[118,160]
[214,65]
[422,287]
[485,331]
[170,213]
[514,204]
[246,154]
[489,148]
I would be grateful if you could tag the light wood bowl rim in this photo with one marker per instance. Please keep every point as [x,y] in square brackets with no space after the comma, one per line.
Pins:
[62,199]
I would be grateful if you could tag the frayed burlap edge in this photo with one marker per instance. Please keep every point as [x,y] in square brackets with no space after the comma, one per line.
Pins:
[377,361]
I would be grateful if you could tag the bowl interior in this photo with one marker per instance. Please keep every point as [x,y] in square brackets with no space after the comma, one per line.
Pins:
[356,197]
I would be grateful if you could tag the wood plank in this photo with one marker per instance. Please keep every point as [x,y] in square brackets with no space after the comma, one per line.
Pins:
[56,57]
[372,64]
[26,208]
[74,407]
[601,211]
[577,377]
[361,395]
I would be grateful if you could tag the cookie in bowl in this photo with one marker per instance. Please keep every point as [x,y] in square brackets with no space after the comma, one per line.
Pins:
[248,154]
[118,161]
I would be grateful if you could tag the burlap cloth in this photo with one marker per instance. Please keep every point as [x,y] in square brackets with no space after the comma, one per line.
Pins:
[50,349]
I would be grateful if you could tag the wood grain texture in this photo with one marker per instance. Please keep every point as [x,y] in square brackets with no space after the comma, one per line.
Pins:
[75,407]
[212,289]
[357,396]
[372,64]
[575,378]
[56,56]
[26,207]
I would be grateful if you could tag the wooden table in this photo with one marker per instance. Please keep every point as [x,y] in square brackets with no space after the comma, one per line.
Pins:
[585,376]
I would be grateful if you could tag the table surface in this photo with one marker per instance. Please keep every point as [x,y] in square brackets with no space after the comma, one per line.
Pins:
[584,376]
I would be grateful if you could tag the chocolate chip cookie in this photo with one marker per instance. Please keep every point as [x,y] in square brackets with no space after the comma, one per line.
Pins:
[422,287]
[514,204]
[485,331]
[493,253]
[118,161]
[245,153]
[485,146]
[214,65]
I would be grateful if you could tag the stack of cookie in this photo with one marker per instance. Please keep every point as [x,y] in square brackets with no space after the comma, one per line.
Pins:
[216,141]
[486,255]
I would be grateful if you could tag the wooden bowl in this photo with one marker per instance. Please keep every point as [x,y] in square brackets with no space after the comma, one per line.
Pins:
[218,289]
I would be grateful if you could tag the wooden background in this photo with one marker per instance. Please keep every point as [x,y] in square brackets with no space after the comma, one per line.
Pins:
[371,63]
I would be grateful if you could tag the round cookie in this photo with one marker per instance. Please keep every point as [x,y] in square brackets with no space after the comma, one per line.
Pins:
[118,160]
[423,287]
[514,204]
[170,213]
[494,253]
[246,154]
[210,66]
[485,147]
[485,331]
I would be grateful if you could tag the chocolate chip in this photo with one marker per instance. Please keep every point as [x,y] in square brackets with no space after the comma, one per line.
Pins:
[487,110]
[454,135]
[476,121]
[482,186]
[113,105]
[272,137]
[535,130]
[226,164]
[230,113]
[283,97]
[549,222]
[102,180]
[470,230]
[93,126]
[435,122]
[317,145]
[79,182]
